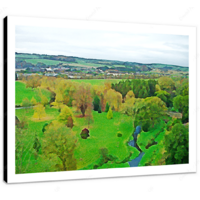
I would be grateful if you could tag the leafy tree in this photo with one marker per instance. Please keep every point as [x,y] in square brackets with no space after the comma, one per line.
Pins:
[44,100]
[26,103]
[167,84]
[181,103]
[60,142]
[33,81]
[149,112]
[110,114]
[66,116]
[152,87]
[96,103]
[128,107]
[33,101]
[183,87]
[157,88]
[129,95]
[176,144]
[39,111]
[89,116]
[114,99]
[107,107]
[99,110]
[164,96]
[83,98]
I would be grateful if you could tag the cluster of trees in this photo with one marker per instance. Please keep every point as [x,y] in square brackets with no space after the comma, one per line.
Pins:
[141,99]
[147,102]
[174,93]
[141,88]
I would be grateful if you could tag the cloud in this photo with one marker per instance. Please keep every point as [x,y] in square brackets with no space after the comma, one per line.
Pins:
[124,46]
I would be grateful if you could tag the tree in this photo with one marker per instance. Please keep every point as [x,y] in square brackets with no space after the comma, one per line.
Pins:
[89,115]
[44,100]
[33,81]
[149,112]
[176,144]
[60,142]
[181,103]
[39,111]
[114,99]
[166,83]
[157,88]
[66,116]
[58,101]
[129,95]
[107,107]
[110,114]
[26,103]
[164,96]
[96,103]
[128,107]
[99,110]
[33,101]
[83,98]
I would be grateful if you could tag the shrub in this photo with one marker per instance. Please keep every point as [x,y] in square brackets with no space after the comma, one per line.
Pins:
[85,133]
[110,114]
[119,134]
[44,127]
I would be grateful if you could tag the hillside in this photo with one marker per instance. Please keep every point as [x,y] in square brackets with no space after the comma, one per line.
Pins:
[37,62]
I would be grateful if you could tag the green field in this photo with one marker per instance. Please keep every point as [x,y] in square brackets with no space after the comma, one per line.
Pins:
[108,143]
[96,81]
[22,92]
[103,134]
[45,61]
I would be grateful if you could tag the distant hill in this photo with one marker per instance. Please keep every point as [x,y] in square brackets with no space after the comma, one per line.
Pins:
[25,60]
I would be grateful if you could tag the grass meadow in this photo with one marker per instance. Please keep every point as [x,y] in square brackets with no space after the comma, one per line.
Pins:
[103,133]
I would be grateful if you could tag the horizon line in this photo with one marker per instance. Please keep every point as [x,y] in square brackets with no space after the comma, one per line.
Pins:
[103,59]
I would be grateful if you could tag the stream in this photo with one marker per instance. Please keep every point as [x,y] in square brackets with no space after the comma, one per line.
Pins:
[135,162]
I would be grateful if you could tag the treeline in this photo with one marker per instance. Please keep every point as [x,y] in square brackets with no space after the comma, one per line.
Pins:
[174,93]
[141,88]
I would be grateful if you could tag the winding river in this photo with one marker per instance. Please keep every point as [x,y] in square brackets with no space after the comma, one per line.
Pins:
[135,162]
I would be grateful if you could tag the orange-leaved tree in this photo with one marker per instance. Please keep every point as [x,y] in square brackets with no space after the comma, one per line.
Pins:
[83,97]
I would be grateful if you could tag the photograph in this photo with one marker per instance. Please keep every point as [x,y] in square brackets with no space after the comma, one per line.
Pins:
[99,97]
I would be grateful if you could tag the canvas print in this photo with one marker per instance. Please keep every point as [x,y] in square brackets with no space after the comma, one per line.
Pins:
[90,99]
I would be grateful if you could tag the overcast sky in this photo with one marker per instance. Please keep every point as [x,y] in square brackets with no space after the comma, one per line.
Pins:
[123,46]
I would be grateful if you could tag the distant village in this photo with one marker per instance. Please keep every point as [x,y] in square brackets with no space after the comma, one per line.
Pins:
[69,71]
[76,72]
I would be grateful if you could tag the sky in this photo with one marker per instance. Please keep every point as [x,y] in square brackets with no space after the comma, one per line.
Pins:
[100,44]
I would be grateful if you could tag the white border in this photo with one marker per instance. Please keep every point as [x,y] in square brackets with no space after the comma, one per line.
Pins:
[100,173]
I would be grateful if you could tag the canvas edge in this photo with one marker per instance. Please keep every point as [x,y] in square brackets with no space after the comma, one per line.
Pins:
[191,169]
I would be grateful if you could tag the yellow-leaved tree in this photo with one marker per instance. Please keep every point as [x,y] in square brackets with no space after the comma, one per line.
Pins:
[39,111]
[33,101]
[60,142]
[66,116]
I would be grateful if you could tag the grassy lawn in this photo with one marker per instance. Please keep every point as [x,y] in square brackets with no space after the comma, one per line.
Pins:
[45,61]
[96,81]
[23,92]
[103,134]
